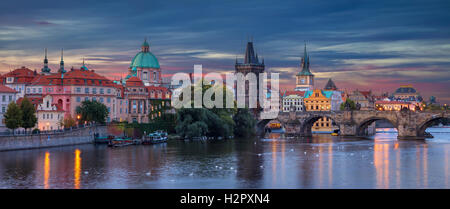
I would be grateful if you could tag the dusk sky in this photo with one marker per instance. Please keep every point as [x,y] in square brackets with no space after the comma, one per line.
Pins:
[376,45]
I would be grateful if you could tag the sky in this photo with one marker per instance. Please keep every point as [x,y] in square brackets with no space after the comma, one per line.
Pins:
[366,45]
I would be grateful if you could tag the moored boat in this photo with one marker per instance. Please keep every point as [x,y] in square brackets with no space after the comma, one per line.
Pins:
[102,139]
[120,142]
[155,138]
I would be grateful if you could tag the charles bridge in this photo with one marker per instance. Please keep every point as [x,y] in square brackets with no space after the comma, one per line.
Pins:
[409,124]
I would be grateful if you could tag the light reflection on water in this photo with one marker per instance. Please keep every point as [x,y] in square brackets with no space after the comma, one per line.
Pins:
[322,161]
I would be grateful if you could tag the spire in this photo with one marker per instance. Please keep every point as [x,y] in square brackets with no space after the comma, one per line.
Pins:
[250,57]
[145,46]
[305,63]
[61,63]
[84,66]
[45,69]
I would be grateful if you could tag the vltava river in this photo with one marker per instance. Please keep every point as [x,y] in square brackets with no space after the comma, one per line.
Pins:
[321,161]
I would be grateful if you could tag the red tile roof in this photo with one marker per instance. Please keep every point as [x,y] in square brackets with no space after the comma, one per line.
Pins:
[21,75]
[73,77]
[134,82]
[5,89]
[299,93]
[163,90]
[34,100]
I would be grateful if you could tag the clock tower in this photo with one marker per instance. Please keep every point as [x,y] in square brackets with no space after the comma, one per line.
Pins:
[304,79]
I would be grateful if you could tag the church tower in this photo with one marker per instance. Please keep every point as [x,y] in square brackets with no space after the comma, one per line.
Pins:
[304,79]
[46,70]
[61,63]
[251,64]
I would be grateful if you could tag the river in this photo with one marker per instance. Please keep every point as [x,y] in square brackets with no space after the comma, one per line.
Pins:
[321,161]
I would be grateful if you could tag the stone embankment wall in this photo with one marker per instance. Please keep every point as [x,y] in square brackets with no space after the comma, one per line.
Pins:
[72,137]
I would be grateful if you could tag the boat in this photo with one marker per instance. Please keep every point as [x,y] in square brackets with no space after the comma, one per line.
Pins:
[102,139]
[120,142]
[155,138]
[335,133]
[428,135]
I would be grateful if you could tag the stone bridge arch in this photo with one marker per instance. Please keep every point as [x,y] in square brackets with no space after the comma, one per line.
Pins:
[428,121]
[307,123]
[365,123]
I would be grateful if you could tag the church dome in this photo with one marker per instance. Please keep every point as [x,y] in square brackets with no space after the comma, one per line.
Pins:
[405,89]
[144,59]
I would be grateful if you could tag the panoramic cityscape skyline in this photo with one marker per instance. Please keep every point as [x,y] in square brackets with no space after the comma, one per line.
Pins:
[387,44]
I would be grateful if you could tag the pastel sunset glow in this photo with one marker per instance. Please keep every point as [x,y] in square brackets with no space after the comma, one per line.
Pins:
[377,45]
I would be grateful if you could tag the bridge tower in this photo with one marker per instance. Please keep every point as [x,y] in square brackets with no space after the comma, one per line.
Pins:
[251,64]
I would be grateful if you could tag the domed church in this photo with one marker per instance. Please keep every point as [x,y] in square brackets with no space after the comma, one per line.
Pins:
[145,66]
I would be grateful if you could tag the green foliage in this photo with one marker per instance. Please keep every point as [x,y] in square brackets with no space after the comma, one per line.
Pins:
[68,122]
[29,119]
[191,122]
[350,102]
[245,123]
[211,122]
[13,116]
[92,111]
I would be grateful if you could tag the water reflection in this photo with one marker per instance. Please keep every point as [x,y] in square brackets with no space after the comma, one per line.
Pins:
[321,161]
[77,169]
[46,170]
[381,162]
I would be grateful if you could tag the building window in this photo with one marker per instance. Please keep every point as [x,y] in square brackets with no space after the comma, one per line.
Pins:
[94,90]
[86,99]
[86,90]
[78,89]
[108,100]
[3,109]
[101,99]
[101,91]
[3,98]
[10,98]
[108,91]
[78,99]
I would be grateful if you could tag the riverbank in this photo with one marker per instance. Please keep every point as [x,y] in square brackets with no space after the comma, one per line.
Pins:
[73,137]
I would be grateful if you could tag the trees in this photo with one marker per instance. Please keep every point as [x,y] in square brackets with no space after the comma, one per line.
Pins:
[191,122]
[211,122]
[67,122]
[92,111]
[29,119]
[348,105]
[245,123]
[13,116]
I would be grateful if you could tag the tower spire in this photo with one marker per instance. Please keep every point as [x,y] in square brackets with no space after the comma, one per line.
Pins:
[45,69]
[61,63]
[145,46]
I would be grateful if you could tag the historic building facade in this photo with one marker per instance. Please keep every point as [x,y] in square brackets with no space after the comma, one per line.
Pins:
[58,94]
[50,115]
[363,99]
[321,100]
[292,101]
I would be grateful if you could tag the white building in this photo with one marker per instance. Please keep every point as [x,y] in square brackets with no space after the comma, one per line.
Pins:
[7,95]
[292,101]
[49,115]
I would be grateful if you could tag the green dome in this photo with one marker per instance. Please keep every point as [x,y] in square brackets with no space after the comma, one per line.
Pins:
[144,60]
